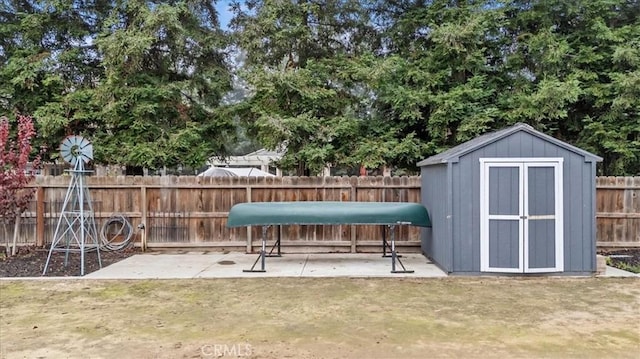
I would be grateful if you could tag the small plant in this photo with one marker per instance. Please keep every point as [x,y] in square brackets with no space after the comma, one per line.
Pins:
[626,259]
[633,268]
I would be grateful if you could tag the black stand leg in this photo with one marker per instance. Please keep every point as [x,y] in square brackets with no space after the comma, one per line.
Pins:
[262,255]
[279,239]
[385,243]
[393,251]
[277,244]
[394,255]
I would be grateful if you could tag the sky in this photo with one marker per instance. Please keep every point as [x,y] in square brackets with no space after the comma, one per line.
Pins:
[224,13]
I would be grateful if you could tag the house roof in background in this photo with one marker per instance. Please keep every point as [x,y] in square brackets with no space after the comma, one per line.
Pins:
[234,172]
[257,158]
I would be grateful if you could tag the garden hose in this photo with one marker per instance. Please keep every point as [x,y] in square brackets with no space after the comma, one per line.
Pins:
[124,229]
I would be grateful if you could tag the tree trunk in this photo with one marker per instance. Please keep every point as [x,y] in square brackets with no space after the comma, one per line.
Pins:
[5,236]
[16,233]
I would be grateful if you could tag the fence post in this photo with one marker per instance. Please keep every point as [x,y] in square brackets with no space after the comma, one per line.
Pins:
[353,181]
[249,231]
[143,199]
[40,216]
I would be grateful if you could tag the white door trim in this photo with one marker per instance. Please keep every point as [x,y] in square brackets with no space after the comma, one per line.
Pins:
[523,164]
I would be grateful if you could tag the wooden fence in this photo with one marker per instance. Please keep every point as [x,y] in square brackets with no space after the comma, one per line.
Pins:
[191,212]
[618,212]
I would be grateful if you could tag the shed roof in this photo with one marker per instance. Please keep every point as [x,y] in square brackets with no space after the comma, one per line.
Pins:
[452,154]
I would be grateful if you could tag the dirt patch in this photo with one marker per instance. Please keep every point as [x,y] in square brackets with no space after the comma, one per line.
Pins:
[321,318]
[30,262]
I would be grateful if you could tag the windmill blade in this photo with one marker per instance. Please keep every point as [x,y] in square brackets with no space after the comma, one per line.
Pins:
[86,153]
[66,149]
[76,148]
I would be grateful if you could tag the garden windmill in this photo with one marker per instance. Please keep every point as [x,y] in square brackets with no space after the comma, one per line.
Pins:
[76,229]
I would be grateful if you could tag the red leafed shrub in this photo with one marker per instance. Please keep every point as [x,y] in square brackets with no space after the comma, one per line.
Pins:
[14,177]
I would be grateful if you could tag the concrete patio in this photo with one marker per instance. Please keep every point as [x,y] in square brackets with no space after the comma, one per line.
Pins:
[161,265]
[231,265]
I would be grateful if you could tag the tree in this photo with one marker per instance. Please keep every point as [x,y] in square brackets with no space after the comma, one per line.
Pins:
[165,76]
[341,82]
[456,69]
[47,62]
[301,66]
[14,175]
[575,69]
[141,79]
[441,72]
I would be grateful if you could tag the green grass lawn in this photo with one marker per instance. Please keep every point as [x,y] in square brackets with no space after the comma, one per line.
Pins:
[321,318]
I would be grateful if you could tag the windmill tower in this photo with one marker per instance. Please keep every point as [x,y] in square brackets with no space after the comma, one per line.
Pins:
[76,229]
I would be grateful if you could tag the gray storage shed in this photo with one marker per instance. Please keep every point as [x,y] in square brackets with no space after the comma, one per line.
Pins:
[511,201]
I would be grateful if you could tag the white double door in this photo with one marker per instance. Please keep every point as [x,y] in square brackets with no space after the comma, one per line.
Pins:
[521,227]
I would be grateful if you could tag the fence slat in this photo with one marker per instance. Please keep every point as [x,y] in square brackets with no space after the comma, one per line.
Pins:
[618,211]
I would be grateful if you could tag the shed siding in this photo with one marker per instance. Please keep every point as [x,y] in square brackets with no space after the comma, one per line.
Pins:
[436,243]
[466,214]
[466,205]
[572,211]
[579,217]
[578,211]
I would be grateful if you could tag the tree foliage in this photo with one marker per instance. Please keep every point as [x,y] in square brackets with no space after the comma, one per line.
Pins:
[15,157]
[441,82]
[339,82]
[142,79]
[15,153]
[576,71]
[165,75]
[300,63]
[431,74]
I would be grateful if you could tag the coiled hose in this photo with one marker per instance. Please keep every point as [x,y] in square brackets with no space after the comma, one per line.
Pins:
[124,229]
